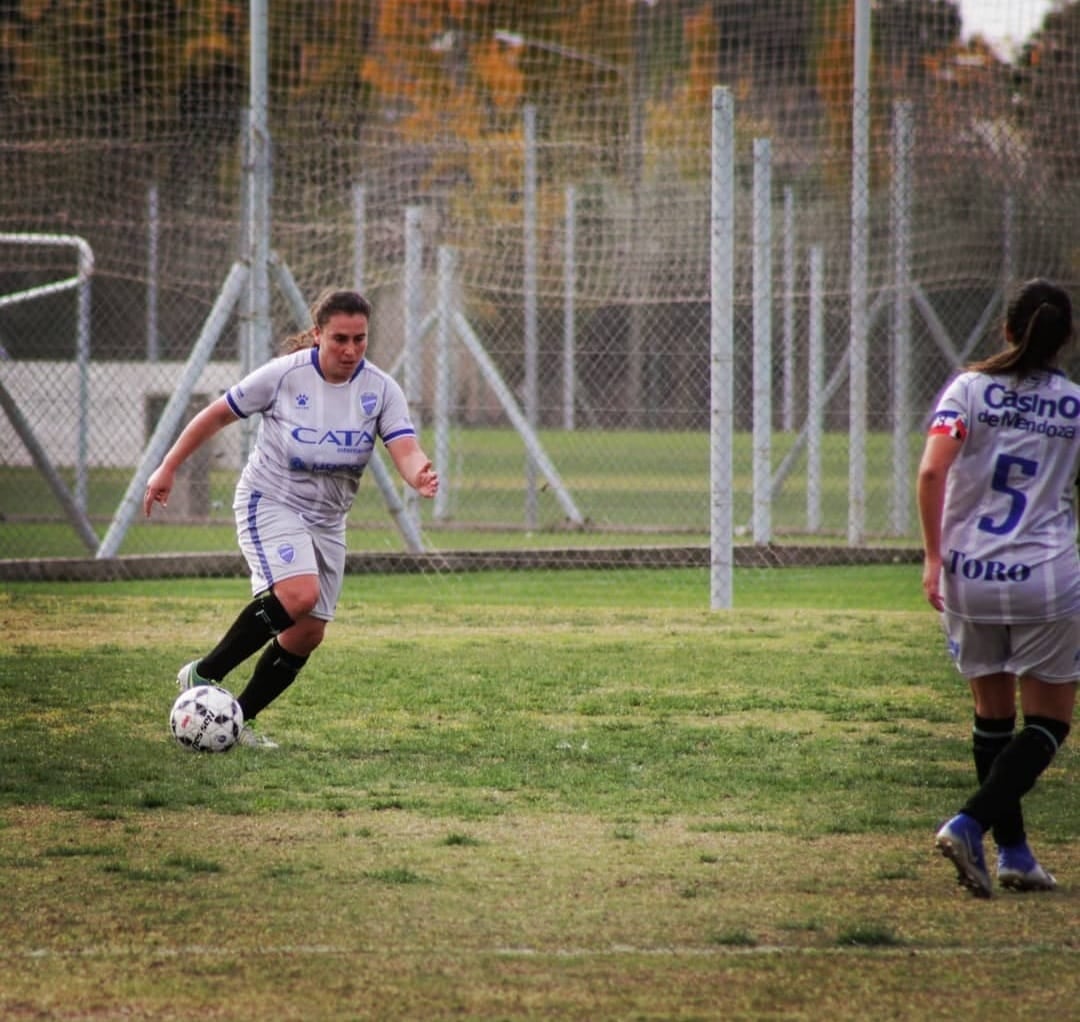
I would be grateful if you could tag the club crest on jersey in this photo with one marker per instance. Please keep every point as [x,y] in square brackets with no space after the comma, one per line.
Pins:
[948,423]
[369,402]
[286,552]
[302,400]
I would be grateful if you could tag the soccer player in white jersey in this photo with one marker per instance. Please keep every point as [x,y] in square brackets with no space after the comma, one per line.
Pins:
[323,407]
[997,502]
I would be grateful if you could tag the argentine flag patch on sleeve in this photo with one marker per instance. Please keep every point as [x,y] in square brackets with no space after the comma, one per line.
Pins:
[948,423]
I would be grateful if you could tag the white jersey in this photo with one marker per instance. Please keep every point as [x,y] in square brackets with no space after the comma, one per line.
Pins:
[316,437]
[1008,537]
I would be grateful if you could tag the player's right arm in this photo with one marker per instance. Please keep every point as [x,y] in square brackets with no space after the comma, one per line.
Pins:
[212,419]
[939,453]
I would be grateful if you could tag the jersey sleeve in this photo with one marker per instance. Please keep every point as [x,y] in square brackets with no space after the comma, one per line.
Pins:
[394,419]
[256,391]
[951,416]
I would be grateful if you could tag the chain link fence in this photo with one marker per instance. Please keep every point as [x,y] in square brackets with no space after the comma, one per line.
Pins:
[558,156]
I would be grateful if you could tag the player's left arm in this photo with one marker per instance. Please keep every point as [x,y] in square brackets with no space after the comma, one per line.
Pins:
[413,465]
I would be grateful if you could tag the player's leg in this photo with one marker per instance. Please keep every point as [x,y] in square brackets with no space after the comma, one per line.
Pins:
[287,654]
[1044,656]
[980,653]
[994,698]
[284,581]
[280,663]
[264,617]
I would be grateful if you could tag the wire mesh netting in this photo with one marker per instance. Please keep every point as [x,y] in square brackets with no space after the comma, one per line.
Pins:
[561,153]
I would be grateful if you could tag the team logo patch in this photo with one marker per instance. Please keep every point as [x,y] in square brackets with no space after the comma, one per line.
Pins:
[286,552]
[369,402]
[949,423]
[302,400]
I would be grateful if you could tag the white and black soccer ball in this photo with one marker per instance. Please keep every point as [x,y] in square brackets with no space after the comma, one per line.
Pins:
[206,718]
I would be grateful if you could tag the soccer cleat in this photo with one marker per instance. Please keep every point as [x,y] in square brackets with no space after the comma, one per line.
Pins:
[253,740]
[961,842]
[187,677]
[1019,870]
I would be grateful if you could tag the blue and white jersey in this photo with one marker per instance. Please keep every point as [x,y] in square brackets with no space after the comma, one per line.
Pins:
[316,437]
[1008,539]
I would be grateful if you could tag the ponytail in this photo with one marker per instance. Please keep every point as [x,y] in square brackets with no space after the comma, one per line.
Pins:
[1038,324]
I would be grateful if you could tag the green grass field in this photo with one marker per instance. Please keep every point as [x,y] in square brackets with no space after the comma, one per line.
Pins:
[499,797]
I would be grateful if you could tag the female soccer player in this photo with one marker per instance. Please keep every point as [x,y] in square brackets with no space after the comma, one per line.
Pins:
[323,406]
[997,503]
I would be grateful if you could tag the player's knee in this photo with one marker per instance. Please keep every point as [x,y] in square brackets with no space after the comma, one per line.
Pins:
[304,637]
[298,595]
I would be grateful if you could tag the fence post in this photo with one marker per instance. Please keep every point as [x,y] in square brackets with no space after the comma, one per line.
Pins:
[860,244]
[721,348]
[900,209]
[763,298]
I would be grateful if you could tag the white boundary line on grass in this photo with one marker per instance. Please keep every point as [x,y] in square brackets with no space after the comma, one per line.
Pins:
[615,951]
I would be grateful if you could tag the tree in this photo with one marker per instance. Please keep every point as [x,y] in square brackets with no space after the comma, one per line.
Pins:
[1048,76]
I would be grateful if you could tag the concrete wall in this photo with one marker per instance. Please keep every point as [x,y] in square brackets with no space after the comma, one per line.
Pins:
[123,397]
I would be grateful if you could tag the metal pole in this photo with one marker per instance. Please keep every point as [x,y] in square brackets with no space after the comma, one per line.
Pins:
[245,332]
[788,382]
[815,390]
[900,208]
[569,320]
[359,236]
[762,385]
[260,164]
[860,244]
[721,348]
[153,237]
[86,270]
[412,362]
[444,340]
[532,403]
[639,384]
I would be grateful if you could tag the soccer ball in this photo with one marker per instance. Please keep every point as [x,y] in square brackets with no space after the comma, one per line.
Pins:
[206,718]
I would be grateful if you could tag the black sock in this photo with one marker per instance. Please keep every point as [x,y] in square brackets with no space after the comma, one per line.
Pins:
[275,671]
[989,737]
[261,619]
[1017,768]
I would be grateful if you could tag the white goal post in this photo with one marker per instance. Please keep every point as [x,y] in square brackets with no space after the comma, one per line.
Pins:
[74,506]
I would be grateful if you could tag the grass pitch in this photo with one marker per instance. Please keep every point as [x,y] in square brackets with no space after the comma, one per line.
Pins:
[499,798]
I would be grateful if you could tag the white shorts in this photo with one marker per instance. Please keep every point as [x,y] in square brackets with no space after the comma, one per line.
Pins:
[1046,650]
[278,543]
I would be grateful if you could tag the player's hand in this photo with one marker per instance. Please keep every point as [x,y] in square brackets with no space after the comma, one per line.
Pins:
[427,481]
[931,583]
[158,488]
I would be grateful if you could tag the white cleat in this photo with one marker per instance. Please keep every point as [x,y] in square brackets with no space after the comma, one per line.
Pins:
[187,677]
[253,740]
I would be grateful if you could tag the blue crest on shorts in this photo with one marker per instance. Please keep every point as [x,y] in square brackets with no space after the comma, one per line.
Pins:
[368,402]
[286,552]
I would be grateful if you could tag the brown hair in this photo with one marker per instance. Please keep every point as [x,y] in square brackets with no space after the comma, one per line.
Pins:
[1038,324]
[331,302]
